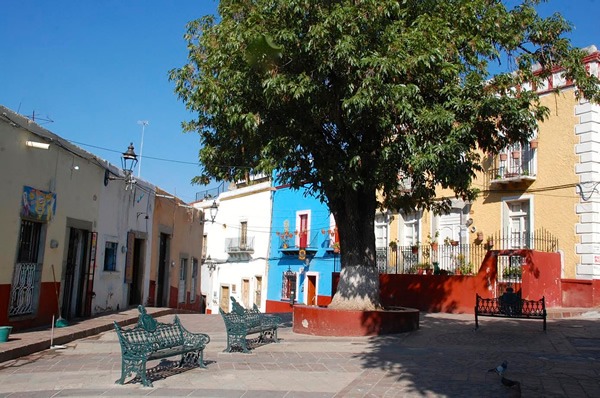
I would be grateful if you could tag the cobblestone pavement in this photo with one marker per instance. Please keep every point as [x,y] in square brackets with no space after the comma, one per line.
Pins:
[446,357]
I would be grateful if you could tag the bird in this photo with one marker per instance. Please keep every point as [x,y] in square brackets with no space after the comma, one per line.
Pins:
[500,369]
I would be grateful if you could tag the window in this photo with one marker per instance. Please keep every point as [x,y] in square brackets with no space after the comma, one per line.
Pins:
[194,280]
[204,245]
[243,235]
[288,290]
[29,242]
[110,256]
[182,279]
[410,235]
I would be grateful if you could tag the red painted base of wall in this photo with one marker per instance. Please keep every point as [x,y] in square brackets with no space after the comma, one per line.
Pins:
[321,321]
[277,306]
[47,307]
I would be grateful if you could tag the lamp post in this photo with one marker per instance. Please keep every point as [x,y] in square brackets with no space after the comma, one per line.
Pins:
[128,162]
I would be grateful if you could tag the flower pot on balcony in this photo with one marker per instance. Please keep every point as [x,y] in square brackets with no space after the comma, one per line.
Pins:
[533,144]
[4,333]
[516,154]
[480,236]
[414,249]
[454,242]
[503,157]
[434,246]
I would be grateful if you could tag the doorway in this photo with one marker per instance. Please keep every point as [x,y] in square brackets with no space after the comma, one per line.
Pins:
[162,282]
[135,288]
[311,289]
[246,293]
[76,274]
[224,304]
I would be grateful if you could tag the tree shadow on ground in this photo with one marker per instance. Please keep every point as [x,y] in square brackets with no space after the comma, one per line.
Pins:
[448,357]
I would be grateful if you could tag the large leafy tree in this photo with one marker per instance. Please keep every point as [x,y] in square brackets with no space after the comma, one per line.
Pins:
[344,96]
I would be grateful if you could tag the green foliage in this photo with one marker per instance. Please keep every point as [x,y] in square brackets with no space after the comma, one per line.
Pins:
[343,96]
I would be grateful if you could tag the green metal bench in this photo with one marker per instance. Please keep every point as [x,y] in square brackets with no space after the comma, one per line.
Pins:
[241,322]
[151,339]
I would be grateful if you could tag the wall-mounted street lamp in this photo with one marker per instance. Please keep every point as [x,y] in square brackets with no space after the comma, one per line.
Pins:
[214,209]
[128,162]
[210,264]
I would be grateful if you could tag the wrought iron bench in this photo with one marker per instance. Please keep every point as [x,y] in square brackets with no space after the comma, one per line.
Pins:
[151,339]
[510,305]
[240,323]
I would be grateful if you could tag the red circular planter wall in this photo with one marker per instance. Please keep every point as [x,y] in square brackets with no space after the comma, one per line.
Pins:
[322,321]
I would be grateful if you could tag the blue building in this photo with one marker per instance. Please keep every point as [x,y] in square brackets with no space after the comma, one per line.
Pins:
[303,253]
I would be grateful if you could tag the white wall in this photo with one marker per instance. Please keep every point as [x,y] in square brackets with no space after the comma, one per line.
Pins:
[251,204]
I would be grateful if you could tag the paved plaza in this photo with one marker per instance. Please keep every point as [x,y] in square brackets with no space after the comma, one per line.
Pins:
[446,357]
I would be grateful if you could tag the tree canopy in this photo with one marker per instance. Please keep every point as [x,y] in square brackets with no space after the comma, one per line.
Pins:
[344,96]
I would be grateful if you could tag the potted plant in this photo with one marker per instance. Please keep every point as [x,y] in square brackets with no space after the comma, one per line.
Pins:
[433,240]
[503,157]
[533,144]
[479,237]
[393,245]
[336,247]
[489,242]
[415,248]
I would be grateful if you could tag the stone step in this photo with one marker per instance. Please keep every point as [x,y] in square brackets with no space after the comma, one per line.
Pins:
[570,312]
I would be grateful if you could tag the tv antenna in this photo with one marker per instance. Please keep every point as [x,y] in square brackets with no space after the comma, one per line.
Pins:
[40,120]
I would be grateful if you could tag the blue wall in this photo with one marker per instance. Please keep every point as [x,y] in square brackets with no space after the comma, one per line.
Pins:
[320,257]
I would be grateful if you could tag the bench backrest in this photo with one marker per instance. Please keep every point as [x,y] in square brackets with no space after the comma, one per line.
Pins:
[512,305]
[150,333]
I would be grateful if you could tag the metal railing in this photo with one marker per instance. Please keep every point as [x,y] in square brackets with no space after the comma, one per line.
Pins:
[295,241]
[463,258]
[239,245]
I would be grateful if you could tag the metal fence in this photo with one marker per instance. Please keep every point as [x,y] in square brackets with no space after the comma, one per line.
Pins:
[454,258]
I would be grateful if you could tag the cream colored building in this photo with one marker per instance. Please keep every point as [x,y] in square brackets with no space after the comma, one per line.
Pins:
[543,195]
[73,243]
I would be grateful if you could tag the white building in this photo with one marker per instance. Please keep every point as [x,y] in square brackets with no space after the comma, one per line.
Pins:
[237,246]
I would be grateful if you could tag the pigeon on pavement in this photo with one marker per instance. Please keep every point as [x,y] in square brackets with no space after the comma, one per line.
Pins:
[500,369]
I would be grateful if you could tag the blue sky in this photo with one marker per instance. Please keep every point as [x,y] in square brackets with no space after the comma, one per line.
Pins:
[96,68]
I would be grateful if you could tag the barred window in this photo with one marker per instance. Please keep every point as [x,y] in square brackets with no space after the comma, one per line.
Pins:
[288,290]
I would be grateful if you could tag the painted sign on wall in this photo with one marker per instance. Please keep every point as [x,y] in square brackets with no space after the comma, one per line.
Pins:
[37,204]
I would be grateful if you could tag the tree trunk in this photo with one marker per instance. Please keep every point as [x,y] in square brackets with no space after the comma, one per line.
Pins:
[358,287]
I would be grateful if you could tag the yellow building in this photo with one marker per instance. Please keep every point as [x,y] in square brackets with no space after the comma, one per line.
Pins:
[541,196]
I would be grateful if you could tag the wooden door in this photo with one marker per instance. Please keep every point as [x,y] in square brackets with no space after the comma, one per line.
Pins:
[311,295]
[224,303]
[246,293]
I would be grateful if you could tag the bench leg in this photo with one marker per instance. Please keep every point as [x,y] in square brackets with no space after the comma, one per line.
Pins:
[142,374]
[201,359]
[544,323]
[234,340]
[476,322]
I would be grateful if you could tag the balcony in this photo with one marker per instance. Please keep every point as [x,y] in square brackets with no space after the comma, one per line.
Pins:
[241,249]
[290,243]
[514,165]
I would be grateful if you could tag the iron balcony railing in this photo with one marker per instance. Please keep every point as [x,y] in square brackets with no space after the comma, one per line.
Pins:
[240,245]
[309,240]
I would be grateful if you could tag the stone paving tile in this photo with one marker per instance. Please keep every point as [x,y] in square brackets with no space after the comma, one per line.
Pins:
[445,358]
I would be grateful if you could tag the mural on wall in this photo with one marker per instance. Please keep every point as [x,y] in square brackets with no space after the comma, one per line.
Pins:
[37,204]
